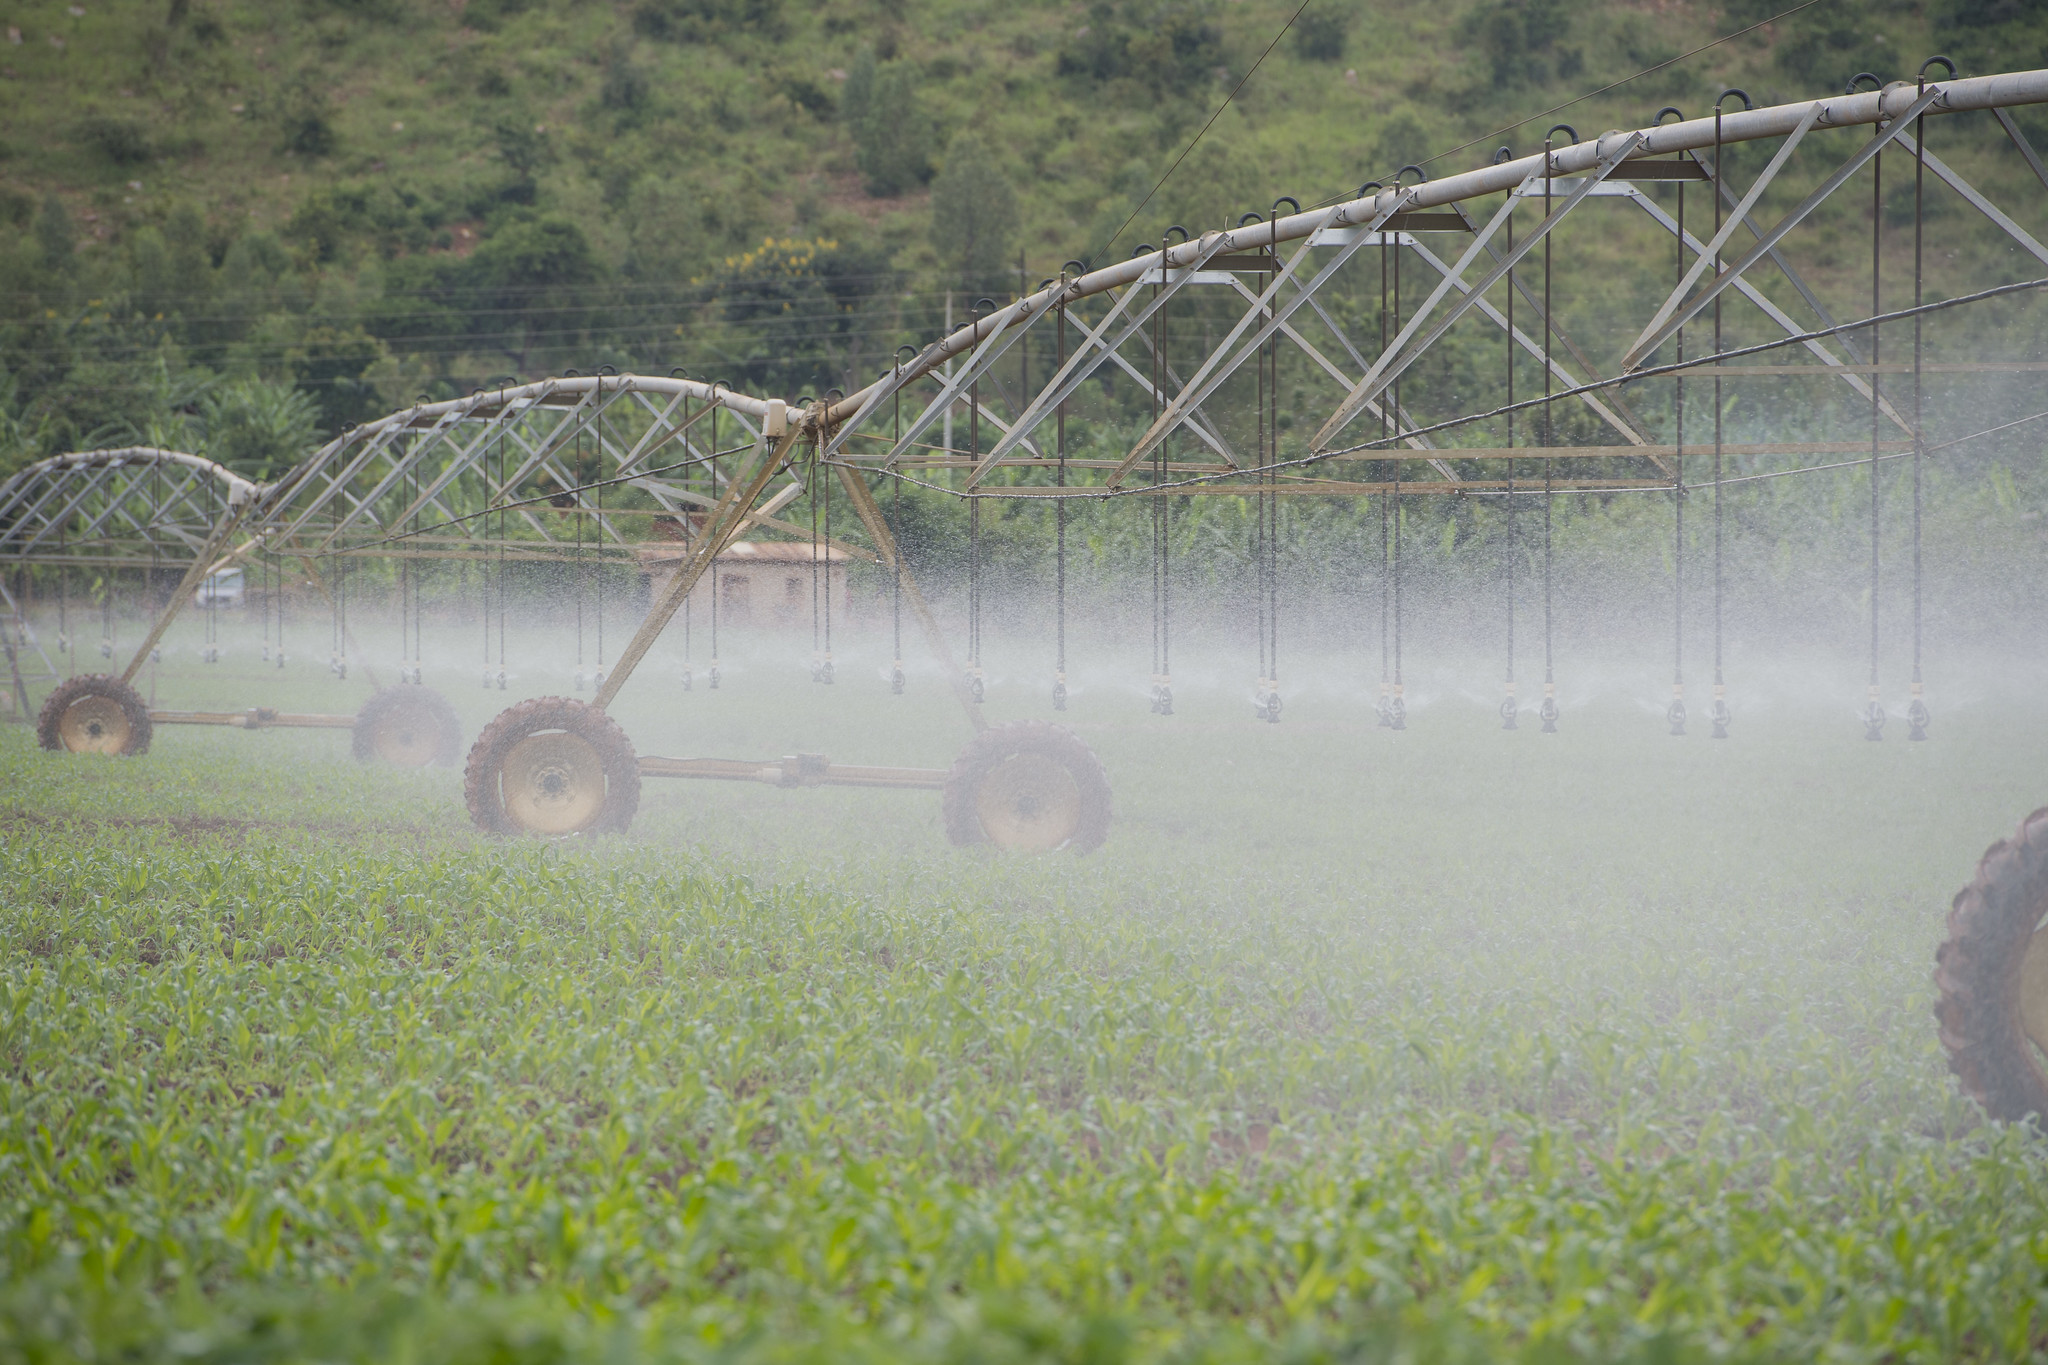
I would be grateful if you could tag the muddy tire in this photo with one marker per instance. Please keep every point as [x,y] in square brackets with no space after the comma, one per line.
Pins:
[1028,787]
[95,713]
[409,727]
[552,766]
[1992,977]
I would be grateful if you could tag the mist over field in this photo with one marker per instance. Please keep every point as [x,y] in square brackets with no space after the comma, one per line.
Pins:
[1450,1037]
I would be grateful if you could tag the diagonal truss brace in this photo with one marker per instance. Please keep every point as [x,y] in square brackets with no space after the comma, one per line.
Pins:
[1736,219]
[1408,347]
[1092,352]
[1817,348]
[1977,201]
[1692,307]
[1214,370]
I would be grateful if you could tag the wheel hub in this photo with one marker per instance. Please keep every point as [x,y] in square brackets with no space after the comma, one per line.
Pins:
[95,725]
[552,783]
[1029,803]
[404,740]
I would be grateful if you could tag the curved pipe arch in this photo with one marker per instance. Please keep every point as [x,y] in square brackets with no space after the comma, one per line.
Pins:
[239,489]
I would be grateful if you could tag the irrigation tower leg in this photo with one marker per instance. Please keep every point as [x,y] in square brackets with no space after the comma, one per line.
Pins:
[878,530]
[726,521]
[202,564]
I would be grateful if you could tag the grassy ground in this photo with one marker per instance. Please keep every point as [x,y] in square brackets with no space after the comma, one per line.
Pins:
[1348,1045]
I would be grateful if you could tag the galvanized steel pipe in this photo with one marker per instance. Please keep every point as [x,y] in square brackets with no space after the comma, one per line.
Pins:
[1749,125]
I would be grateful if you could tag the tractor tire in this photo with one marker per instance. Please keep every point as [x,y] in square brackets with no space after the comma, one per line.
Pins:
[1027,787]
[95,713]
[552,766]
[409,727]
[1992,977]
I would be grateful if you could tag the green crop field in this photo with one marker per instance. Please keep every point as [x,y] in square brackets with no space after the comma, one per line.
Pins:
[1348,1045]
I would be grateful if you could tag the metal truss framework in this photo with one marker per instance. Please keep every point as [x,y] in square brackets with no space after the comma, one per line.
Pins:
[113,508]
[524,472]
[1283,294]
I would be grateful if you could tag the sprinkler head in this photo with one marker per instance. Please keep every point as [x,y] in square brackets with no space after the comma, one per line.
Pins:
[501,680]
[686,680]
[280,658]
[106,649]
[1508,711]
[711,678]
[1384,709]
[825,674]
[1918,718]
[1873,720]
[1675,713]
[897,680]
[976,690]
[1397,714]
[1059,692]
[1547,713]
[487,680]
[1164,699]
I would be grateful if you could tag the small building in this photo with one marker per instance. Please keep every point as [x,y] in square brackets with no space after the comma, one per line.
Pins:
[758,582]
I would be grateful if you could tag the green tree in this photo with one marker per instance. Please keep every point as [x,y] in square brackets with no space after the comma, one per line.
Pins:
[258,428]
[893,134]
[974,216]
[1319,33]
[1165,48]
[795,314]
[522,294]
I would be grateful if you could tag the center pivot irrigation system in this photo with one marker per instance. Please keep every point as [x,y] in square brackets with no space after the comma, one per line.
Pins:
[1192,343]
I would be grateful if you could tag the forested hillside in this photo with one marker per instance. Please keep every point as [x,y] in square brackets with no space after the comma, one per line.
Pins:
[242,223]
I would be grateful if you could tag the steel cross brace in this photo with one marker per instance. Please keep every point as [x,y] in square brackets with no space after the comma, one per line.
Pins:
[1087,358]
[1408,347]
[1734,220]
[1656,335]
[1006,328]
[1977,201]
[1214,370]
[2026,148]
[1330,368]
[1528,344]
[1778,315]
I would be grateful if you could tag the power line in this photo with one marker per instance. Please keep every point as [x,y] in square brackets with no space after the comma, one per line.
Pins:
[1205,128]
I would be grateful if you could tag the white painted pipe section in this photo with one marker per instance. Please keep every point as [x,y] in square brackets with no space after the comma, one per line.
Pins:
[239,488]
[431,414]
[1749,125]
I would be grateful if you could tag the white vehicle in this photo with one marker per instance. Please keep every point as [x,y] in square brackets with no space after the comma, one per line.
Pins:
[225,587]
